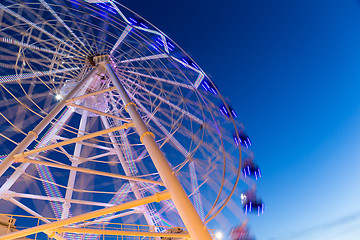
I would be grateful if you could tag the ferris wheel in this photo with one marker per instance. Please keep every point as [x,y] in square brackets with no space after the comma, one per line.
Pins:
[108,128]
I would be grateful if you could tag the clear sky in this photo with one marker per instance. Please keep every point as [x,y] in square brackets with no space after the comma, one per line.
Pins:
[291,70]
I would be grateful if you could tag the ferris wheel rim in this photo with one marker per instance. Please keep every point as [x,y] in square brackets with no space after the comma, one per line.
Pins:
[199,96]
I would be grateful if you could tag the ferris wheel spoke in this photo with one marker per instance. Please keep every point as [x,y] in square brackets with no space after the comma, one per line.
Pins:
[9,11]
[13,102]
[186,65]
[159,88]
[166,132]
[191,116]
[121,38]
[164,111]
[32,47]
[10,78]
[74,46]
[162,80]
[152,57]
[76,25]
[60,20]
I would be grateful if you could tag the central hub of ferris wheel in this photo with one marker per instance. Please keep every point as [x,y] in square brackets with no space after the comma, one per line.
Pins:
[97,102]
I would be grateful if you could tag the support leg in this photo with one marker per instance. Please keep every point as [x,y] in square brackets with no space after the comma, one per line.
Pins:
[191,219]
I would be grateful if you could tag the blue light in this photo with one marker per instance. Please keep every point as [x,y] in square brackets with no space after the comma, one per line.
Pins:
[249,141]
[109,8]
[213,91]
[170,44]
[208,86]
[160,43]
[234,113]
[185,61]
[133,20]
[236,140]
[194,65]
[143,25]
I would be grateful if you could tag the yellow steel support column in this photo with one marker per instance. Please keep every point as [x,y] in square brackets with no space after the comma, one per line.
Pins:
[191,219]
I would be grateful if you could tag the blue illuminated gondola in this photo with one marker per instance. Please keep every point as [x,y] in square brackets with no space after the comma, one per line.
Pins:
[108,7]
[251,204]
[227,111]
[189,62]
[208,86]
[250,169]
[135,21]
[159,42]
[242,139]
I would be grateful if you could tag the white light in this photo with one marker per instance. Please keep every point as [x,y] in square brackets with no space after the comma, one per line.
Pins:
[243,198]
[219,235]
[58,96]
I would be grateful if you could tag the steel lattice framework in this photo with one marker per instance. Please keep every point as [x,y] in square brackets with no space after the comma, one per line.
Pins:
[104,118]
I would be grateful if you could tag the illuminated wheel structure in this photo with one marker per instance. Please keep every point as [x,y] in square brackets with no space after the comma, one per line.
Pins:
[104,120]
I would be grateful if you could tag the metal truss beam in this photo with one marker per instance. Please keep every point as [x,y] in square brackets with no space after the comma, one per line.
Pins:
[97,112]
[72,100]
[90,171]
[123,233]
[40,127]
[54,225]
[32,212]
[54,199]
[73,140]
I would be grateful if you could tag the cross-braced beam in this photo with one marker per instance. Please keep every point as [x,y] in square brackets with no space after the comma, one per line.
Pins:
[51,227]
[40,127]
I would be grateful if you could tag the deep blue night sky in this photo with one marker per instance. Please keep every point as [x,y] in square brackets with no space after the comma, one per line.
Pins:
[291,71]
